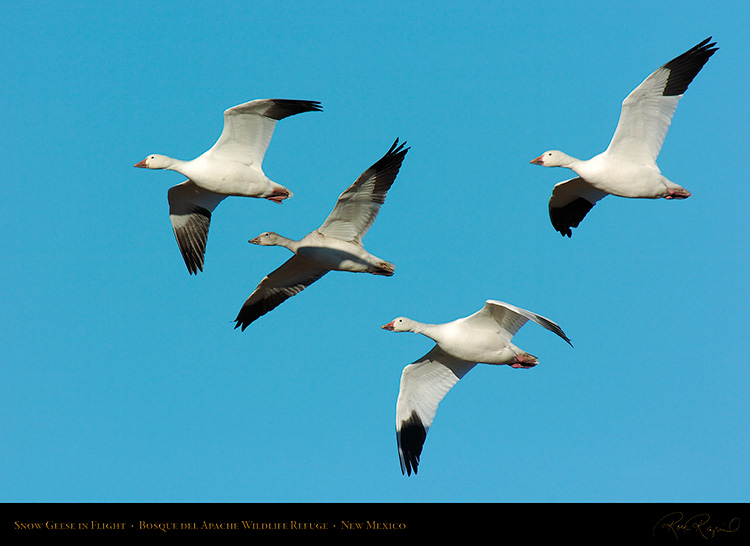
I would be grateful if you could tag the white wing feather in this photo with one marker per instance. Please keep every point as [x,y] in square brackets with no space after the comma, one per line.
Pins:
[424,384]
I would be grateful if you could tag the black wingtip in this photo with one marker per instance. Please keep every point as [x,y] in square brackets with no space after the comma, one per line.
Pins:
[243,322]
[250,312]
[283,108]
[392,158]
[560,333]
[192,239]
[684,68]
[410,439]
[397,149]
[569,216]
[193,262]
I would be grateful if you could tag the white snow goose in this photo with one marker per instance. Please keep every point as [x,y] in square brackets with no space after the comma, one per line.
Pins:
[335,245]
[627,168]
[231,167]
[484,337]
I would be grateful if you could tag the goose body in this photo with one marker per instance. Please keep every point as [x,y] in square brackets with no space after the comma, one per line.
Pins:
[484,337]
[627,168]
[231,167]
[335,246]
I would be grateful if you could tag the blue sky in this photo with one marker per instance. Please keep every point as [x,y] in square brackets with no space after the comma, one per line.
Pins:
[123,378]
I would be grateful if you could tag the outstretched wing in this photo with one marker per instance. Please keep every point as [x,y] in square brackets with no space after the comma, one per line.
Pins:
[248,128]
[424,384]
[509,318]
[571,200]
[190,208]
[358,206]
[647,111]
[291,278]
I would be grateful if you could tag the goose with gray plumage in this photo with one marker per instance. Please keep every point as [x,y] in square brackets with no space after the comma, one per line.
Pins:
[335,246]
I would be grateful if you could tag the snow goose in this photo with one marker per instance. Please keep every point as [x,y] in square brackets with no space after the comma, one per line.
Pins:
[484,337]
[335,245]
[627,168]
[231,167]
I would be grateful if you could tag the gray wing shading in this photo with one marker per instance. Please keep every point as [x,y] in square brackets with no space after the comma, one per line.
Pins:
[248,127]
[504,317]
[291,278]
[647,111]
[358,206]
[190,209]
[424,384]
[511,318]
[571,200]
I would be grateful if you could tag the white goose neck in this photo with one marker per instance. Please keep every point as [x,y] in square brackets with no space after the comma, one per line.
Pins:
[177,165]
[569,162]
[429,330]
[291,244]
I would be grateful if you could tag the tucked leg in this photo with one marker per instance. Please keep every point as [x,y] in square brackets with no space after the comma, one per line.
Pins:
[524,360]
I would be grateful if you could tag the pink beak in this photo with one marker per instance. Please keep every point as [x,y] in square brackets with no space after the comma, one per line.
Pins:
[538,161]
[141,165]
[388,326]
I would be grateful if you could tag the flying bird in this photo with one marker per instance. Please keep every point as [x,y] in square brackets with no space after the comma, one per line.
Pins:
[231,167]
[335,245]
[484,337]
[627,168]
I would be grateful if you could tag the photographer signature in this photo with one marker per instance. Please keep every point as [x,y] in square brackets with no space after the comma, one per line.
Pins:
[676,523]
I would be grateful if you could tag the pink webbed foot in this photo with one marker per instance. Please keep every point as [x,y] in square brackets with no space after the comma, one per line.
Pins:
[525,361]
[677,193]
[277,196]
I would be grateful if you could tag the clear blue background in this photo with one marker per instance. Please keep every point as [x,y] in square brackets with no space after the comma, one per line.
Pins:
[123,378]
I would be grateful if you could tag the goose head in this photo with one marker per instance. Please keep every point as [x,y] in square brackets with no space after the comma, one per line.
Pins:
[154,161]
[267,238]
[551,158]
[400,324]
